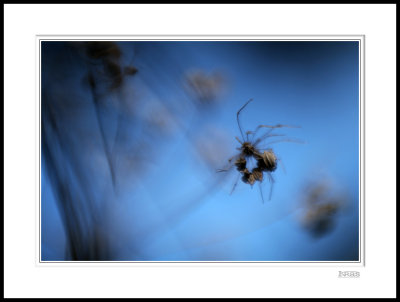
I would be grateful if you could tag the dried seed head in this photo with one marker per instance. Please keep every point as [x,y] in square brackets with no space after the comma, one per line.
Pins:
[248,149]
[248,177]
[267,161]
[251,179]
[240,164]
[258,174]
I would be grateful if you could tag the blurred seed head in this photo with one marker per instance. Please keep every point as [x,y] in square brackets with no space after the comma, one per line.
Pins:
[108,54]
[102,49]
[322,203]
[205,88]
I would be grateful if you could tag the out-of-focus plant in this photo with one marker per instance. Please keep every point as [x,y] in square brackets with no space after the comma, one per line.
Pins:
[322,203]
[99,134]
[205,88]
[75,138]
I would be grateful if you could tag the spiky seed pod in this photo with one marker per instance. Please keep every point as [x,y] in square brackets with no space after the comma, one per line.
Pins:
[246,174]
[248,177]
[248,149]
[261,164]
[258,174]
[245,171]
[268,161]
[240,164]
[251,179]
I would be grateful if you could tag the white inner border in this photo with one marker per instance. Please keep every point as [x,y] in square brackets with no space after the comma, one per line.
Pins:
[23,278]
[205,38]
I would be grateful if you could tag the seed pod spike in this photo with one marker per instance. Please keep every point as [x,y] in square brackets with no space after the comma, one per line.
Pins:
[234,186]
[271,128]
[237,117]
[261,192]
[289,140]
[272,181]
[240,142]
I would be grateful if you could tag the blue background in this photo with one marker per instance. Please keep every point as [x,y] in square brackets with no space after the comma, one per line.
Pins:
[180,209]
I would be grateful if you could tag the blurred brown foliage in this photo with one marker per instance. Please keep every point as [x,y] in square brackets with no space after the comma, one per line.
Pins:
[205,88]
[322,203]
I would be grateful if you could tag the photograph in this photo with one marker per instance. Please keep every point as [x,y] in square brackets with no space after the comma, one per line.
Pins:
[200,150]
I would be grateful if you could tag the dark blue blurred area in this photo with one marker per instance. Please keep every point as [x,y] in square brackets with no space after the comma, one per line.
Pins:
[133,133]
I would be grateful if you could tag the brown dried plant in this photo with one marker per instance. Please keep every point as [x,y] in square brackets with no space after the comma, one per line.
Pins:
[249,150]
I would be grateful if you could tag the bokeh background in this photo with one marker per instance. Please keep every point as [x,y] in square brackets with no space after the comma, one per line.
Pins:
[133,133]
